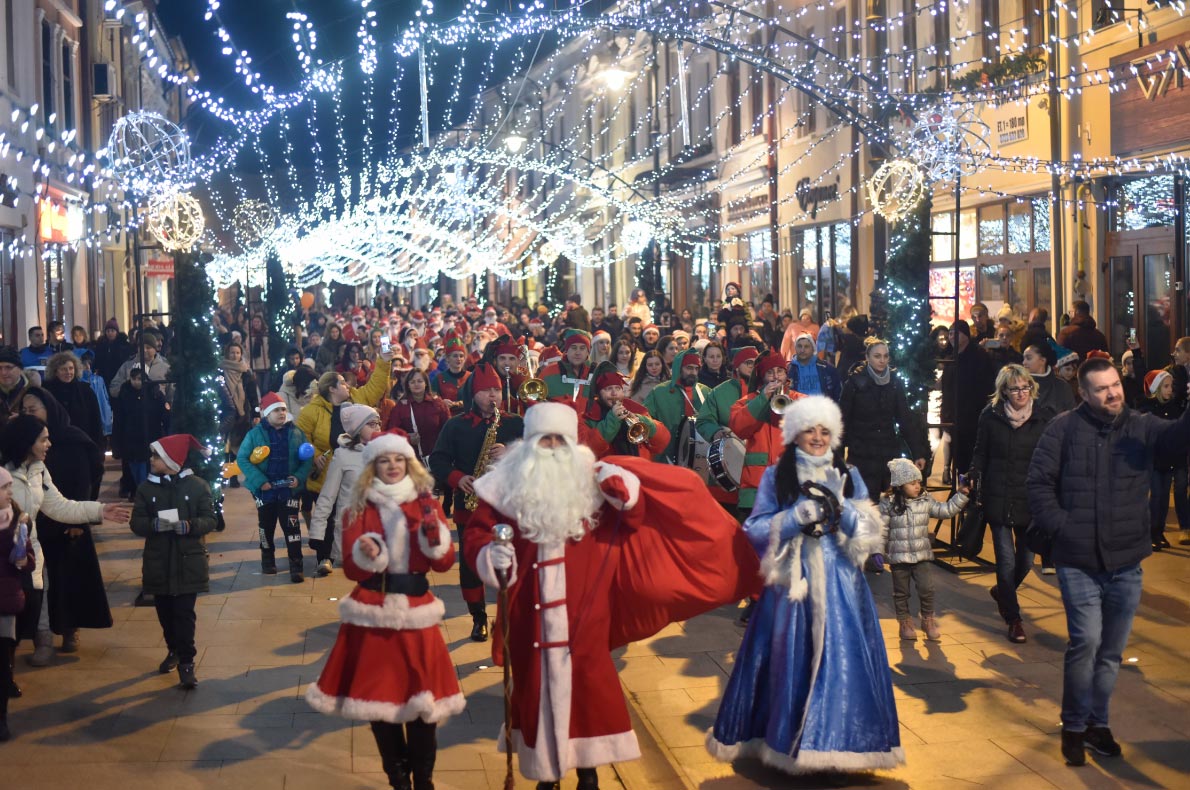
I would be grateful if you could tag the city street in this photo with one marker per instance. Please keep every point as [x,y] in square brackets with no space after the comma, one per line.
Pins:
[974,709]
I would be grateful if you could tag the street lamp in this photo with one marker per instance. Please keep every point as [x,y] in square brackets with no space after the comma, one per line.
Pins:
[615,78]
[515,142]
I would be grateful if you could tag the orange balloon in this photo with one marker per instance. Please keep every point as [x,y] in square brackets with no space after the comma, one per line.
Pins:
[307,300]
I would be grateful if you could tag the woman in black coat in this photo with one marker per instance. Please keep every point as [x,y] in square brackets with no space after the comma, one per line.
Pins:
[1006,435]
[63,380]
[76,595]
[880,425]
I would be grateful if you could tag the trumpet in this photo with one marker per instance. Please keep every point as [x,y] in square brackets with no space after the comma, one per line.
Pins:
[638,432]
[779,402]
[531,390]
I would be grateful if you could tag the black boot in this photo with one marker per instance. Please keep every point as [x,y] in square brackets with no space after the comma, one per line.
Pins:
[295,572]
[423,752]
[588,779]
[394,755]
[268,564]
[479,622]
[549,786]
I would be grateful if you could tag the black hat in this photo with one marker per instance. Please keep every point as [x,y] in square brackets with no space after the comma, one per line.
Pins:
[10,356]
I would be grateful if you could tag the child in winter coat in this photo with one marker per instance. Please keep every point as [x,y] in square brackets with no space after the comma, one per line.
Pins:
[274,473]
[1159,400]
[172,512]
[390,665]
[907,511]
[16,564]
[360,424]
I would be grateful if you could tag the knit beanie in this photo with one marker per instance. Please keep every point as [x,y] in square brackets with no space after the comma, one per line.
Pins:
[354,416]
[903,471]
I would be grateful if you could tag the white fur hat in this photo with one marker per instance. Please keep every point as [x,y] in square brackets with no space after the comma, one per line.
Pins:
[387,443]
[903,471]
[546,418]
[813,410]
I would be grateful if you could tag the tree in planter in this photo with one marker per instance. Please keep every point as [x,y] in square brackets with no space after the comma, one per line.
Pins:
[281,314]
[194,368]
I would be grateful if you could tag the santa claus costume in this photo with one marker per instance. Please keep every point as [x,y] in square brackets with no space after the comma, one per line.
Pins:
[390,664]
[602,554]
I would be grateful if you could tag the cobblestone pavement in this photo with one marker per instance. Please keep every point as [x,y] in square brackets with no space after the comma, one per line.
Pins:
[975,710]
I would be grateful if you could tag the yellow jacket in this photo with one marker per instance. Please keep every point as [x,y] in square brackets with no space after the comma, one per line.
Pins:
[315,417]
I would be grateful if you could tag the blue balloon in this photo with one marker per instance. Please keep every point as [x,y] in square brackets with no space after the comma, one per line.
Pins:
[305,451]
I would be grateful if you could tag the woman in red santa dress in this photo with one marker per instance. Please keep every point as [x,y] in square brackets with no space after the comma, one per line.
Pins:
[390,665]
[603,554]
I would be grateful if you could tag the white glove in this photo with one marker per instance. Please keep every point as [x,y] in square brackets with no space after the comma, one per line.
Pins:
[501,555]
[808,511]
[835,481]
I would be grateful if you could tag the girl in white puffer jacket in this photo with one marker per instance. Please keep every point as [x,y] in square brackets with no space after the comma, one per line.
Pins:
[908,547]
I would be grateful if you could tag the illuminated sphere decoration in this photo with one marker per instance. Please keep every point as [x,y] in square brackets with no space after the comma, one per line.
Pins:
[175,220]
[896,188]
[949,142]
[149,153]
[252,222]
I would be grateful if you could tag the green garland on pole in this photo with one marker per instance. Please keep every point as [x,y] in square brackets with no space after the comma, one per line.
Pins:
[280,313]
[194,366]
[906,291]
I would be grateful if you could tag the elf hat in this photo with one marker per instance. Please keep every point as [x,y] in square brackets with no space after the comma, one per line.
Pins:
[742,355]
[770,361]
[174,449]
[270,403]
[389,442]
[485,377]
[903,471]
[575,336]
[1153,380]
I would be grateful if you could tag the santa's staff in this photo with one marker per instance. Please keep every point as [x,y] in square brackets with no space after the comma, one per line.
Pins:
[502,536]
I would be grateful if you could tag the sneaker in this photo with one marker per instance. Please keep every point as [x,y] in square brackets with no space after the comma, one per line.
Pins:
[186,678]
[325,567]
[1100,741]
[929,624]
[1016,632]
[908,632]
[1072,748]
[169,664]
[70,641]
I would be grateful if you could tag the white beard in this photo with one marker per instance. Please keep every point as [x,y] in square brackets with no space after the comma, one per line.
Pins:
[421,363]
[550,493]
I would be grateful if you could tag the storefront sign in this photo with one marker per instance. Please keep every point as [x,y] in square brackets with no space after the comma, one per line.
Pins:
[160,267]
[1150,107]
[751,206]
[1010,123]
[809,196]
[59,223]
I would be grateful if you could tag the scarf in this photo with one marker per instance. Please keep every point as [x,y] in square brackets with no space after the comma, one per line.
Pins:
[1018,418]
[813,467]
[401,491]
[233,377]
[880,379]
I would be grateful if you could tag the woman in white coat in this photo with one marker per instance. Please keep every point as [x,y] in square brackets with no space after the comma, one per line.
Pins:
[360,424]
[24,442]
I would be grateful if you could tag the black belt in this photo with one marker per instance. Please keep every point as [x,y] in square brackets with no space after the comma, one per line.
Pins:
[402,583]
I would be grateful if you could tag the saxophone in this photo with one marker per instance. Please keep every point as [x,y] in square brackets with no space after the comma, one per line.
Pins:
[471,501]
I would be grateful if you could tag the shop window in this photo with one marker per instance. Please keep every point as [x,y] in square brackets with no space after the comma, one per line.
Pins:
[1041,224]
[756,251]
[842,266]
[1020,230]
[968,235]
[991,283]
[942,292]
[805,262]
[991,230]
[943,241]
[1144,203]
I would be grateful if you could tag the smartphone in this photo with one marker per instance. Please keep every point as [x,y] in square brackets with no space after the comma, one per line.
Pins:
[386,344]
[1132,335]
[962,480]
[711,328]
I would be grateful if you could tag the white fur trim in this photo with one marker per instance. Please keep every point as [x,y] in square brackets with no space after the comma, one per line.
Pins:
[170,463]
[580,753]
[439,551]
[376,564]
[867,538]
[812,410]
[605,471]
[421,706]
[395,613]
[486,571]
[782,564]
[547,417]
[387,443]
[806,761]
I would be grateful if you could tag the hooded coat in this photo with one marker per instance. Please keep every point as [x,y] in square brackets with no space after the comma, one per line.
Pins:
[669,405]
[80,402]
[1082,337]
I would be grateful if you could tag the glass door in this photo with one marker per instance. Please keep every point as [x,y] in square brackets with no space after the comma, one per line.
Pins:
[1122,293]
[1159,334]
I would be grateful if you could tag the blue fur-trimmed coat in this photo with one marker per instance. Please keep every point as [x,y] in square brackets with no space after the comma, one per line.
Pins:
[811,689]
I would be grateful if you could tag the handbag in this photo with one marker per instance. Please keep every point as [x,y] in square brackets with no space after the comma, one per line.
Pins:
[972,526]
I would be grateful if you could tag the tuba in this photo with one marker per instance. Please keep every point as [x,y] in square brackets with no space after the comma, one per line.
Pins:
[531,390]
[471,501]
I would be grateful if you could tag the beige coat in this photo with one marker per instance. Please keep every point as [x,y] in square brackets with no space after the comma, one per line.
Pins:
[34,491]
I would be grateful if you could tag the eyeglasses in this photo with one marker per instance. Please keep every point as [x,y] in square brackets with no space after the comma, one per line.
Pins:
[373,423]
[1019,390]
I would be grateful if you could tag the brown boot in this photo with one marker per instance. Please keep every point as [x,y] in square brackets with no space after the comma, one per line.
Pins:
[908,633]
[929,624]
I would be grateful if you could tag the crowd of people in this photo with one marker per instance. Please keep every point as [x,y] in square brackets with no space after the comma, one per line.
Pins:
[594,463]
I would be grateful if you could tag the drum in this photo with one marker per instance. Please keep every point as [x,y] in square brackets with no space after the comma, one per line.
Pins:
[688,441]
[725,459]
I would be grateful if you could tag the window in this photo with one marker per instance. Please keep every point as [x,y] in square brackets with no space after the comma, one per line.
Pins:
[1020,227]
[755,251]
[822,267]
[10,44]
[1144,203]
[47,69]
[1035,14]
[67,85]
[991,230]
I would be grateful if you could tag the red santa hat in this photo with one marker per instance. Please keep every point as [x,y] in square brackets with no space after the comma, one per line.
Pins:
[485,377]
[769,361]
[806,412]
[742,355]
[650,326]
[547,418]
[269,403]
[1153,380]
[549,354]
[356,311]
[535,321]
[418,317]
[385,443]
[174,449]
[602,333]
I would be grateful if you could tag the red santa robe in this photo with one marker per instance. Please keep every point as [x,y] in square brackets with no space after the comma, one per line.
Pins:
[390,662]
[670,554]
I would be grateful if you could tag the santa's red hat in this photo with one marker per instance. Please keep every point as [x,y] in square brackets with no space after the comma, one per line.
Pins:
[388,442]
[485,377]
[269,403]
[650,326]
[1153,380]
[418,317]
[549,354]
[174,449]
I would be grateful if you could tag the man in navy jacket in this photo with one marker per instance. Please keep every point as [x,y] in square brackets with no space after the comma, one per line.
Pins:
[1088,491]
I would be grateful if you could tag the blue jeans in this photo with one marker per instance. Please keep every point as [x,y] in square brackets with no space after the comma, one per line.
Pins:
[1013,560]
[1099,610]
[1159,500]
[140,471]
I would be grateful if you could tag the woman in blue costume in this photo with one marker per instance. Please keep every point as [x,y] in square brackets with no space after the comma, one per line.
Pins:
[811,689]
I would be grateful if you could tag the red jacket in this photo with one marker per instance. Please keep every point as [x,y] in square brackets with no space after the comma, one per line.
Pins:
[430,414]
[753,421]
